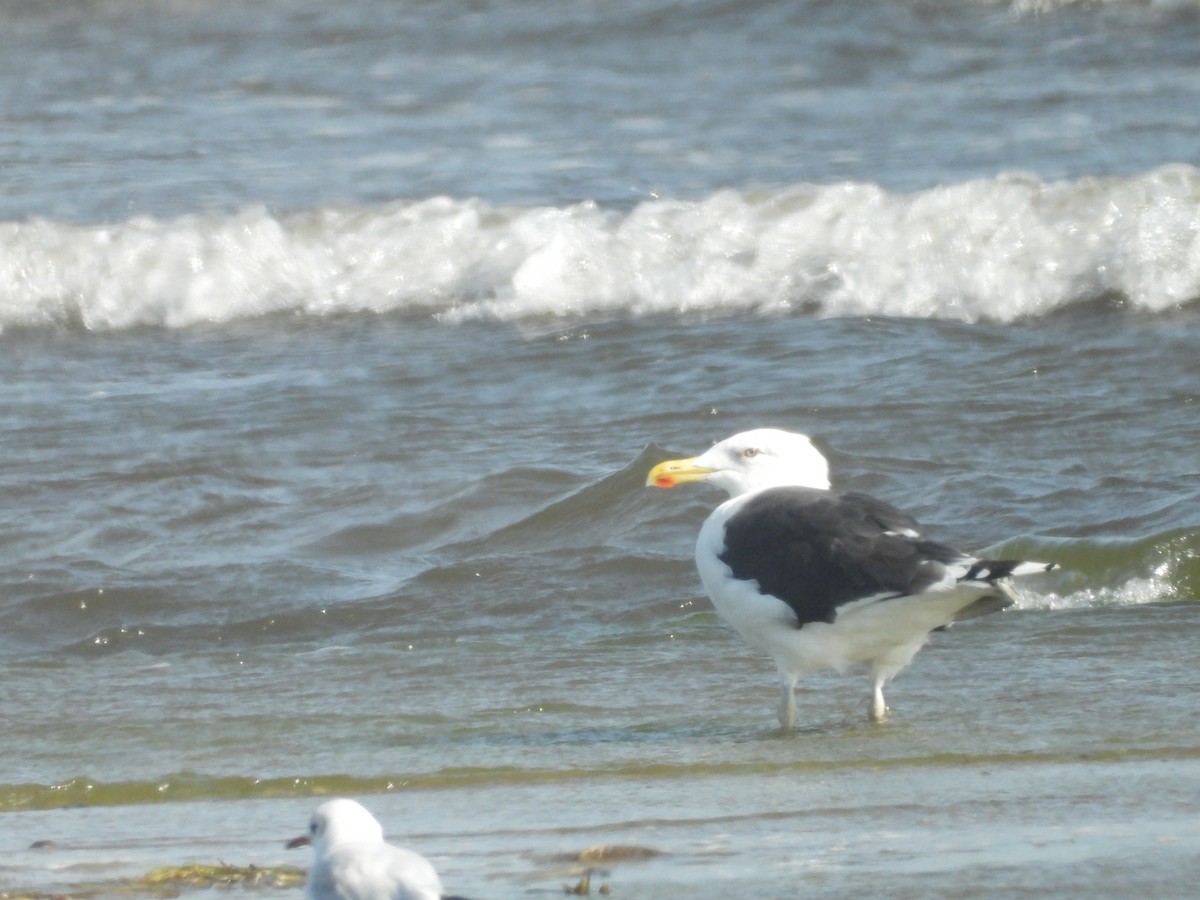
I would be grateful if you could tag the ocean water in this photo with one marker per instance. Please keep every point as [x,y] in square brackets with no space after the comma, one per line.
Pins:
[336,341]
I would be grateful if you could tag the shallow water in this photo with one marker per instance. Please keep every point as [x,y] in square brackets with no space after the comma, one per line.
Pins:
[447,593]
[320,483]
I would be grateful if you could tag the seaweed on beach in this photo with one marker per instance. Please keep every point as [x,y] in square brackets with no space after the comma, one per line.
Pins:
[172,881]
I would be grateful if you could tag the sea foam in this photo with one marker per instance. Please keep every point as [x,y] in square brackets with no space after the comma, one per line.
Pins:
[1003,249]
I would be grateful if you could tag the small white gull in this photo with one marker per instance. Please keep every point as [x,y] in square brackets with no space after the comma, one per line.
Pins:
[351,860]
[821,579]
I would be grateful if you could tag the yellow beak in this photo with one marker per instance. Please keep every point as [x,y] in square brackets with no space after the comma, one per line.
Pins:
[676,471]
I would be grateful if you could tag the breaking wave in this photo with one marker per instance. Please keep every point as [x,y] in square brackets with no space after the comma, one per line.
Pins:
[1004,249]
[1126,571]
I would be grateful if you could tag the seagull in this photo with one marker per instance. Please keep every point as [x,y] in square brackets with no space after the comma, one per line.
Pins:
[353,862]
[820,579]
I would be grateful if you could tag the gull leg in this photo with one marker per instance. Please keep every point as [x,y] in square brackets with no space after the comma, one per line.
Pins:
[787,702]
[879,710]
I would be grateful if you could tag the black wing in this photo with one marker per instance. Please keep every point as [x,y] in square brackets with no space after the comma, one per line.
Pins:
[817,550]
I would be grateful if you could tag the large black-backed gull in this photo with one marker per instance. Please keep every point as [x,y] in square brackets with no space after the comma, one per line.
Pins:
[351,860]
[820,579]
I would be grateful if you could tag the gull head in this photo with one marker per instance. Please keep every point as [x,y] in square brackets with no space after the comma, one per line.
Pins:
[749,461]
[336,822]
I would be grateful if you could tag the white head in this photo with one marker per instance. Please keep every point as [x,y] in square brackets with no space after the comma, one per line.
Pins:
[750,461]
[341,821]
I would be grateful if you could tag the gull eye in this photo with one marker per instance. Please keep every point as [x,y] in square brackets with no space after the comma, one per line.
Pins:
[312,827]
[751,452]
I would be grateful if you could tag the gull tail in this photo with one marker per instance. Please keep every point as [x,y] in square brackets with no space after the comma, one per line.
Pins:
[991,573]
[995,569]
